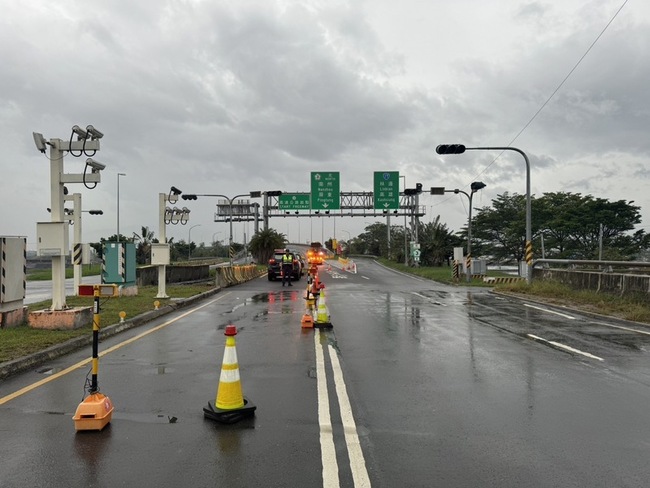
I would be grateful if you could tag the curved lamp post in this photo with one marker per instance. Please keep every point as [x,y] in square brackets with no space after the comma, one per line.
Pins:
[475,186]
[189,241]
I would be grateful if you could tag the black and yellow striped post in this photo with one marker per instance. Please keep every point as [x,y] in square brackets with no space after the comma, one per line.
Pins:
[468,264]
[76,254]
[529,253]
[96,410]
[454,272]
[123,262]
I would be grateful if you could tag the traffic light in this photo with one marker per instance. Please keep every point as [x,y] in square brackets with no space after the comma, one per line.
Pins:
[477,185]
[437,190]
[410,191]
[418,187]
[450,149]
[95,212]
[256,194]
[274,193]
[189,196]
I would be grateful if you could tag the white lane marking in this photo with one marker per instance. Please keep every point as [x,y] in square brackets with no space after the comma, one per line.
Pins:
[549,311]
[430,299]
[357,461]
[365,277]
[564,346]
[626,328]
[328,452]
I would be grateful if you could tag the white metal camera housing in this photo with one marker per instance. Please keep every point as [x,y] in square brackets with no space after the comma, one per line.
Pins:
[81,134]
[94,133]
[40,141]
[95,165]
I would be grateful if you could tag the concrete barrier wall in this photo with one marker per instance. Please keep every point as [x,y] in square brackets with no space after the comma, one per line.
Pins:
[613,283]
[148,275]
[234,275]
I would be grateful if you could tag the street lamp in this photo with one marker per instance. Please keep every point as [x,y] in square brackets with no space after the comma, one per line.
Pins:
[193,196]
[189,241]
[459,149]
[349,239]
[406,259]
[475,186]
[118,204]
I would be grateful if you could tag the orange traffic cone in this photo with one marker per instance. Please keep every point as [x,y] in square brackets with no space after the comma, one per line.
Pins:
[230,405]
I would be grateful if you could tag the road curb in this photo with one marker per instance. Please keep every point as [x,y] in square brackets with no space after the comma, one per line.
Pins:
[25,363]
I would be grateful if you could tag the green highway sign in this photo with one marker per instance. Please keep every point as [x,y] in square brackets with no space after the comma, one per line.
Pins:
[386,194]
[325,190]
[294,201]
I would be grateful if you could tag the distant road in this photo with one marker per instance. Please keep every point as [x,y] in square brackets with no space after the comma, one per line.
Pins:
[38,291]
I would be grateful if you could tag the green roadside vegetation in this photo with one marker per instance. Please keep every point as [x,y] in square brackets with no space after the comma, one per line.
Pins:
[46,274]
[634,307]
[20,341]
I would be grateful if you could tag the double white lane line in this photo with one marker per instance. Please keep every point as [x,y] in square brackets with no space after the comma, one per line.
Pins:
[328,451]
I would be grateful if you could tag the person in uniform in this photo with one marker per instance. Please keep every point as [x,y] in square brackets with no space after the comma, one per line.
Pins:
[287,267]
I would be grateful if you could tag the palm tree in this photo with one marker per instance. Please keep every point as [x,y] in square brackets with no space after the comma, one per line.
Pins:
[143,252]
[264,242]
[437,243]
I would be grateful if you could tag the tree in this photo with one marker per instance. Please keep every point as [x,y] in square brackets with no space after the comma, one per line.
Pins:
[570,224]
[436,243]
[501,230]
[143,250]
[264,242]
[373,241]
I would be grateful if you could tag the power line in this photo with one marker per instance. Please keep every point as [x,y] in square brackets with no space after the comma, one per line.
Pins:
[558,87]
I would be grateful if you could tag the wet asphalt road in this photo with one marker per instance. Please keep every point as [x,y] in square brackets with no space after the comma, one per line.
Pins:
[417,384]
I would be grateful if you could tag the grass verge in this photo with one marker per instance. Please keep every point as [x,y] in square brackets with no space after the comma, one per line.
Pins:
[441,274]
[634,307]
[20,341]
[46,274]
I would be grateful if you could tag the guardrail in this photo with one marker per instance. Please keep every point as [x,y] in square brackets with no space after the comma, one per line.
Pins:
[589,262]
[634,279]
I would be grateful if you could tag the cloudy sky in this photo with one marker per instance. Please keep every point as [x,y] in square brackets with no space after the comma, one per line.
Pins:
[230,97]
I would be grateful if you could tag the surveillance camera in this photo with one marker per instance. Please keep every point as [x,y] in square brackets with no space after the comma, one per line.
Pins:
[95,165]
[94,133]
[175,191]
[39,140]
[81,134]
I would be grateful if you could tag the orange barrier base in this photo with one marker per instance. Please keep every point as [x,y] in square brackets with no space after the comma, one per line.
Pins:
[94,413]
[307,321]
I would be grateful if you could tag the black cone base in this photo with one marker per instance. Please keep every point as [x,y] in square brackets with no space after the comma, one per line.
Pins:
[322,325]
[229,416]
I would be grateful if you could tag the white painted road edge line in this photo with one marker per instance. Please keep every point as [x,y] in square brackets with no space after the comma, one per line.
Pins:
[550,311]
[626,328]
[328,452]
[564,346]
[357,461]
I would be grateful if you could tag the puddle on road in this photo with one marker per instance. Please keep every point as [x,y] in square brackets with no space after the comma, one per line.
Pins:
[49,371]
[278,302]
